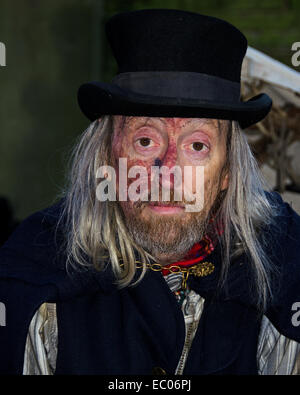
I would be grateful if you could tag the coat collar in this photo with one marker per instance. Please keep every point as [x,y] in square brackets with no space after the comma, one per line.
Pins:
[34,248]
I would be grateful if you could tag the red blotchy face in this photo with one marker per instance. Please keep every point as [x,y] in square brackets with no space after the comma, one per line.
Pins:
[182,142]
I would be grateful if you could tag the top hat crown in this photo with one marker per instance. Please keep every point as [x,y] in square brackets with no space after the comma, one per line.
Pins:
[174,63]
[172,40]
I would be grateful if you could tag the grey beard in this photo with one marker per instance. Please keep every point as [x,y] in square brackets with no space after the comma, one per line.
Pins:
[167,236]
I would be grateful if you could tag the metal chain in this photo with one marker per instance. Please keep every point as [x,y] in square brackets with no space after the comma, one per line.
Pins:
[202,269]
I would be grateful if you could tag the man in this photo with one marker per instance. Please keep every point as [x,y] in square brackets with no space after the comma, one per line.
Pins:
[119,278]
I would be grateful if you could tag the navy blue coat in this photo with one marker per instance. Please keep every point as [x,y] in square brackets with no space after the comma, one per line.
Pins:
[104,330]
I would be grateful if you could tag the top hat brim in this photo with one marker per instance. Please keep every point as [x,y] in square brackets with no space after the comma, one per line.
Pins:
[98,98]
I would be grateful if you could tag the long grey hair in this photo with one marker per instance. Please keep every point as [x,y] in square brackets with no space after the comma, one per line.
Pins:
[96,233]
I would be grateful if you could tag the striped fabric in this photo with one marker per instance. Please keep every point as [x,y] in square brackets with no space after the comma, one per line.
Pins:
[276,354]
[41,345]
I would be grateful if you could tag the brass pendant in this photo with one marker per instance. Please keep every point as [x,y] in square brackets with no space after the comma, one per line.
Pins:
[202,269]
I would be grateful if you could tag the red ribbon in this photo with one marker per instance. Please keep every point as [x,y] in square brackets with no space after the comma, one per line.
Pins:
[196,254]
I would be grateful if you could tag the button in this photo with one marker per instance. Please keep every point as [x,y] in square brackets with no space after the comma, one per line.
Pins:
[158,371]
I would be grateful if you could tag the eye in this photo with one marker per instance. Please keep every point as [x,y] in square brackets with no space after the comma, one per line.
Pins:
[197,146]
[144,141]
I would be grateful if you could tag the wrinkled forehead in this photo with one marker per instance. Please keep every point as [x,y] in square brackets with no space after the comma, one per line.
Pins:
[122,123]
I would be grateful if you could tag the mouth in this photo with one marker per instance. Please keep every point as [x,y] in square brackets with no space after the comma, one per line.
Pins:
[163,208]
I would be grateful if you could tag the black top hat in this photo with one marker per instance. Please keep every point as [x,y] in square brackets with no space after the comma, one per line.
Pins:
[174,64]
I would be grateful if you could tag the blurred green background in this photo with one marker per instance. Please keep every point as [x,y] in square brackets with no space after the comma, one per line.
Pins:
[52,46]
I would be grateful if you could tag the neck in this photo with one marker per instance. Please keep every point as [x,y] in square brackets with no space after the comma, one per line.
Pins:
[166,259]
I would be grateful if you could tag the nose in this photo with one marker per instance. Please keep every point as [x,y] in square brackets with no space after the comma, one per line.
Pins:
[169,160]
[170,157]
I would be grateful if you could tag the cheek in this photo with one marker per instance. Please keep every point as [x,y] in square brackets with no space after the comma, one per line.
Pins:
[144,178]
[209,176]
[126,207]
[212,178]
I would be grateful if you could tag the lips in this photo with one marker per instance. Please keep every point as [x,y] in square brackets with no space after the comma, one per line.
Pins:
[162,204]
[163,208]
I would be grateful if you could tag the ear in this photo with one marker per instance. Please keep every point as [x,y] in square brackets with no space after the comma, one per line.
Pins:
[225,180]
